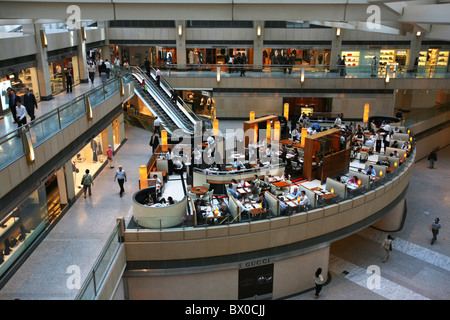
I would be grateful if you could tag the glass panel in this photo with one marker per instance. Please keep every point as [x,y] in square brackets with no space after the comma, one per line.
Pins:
[72,112]
[111,88]
[11,148]
[106,260]
[88,290]
[45,128]
[97,97]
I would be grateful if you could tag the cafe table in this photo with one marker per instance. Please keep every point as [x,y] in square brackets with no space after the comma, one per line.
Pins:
[281,184]
[199,190]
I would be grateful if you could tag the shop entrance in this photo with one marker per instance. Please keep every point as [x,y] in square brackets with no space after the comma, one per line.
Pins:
[298,105]
[256,283]
[53,202]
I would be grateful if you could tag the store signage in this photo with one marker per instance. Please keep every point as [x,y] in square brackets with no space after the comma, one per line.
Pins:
[4,85]
[256,263]
[206,94]
[401,52]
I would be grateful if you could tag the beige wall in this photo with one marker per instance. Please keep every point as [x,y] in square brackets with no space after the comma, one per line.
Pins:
[237,107]
[354,107]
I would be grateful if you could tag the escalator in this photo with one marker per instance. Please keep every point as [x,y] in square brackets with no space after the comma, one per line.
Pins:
[159,101]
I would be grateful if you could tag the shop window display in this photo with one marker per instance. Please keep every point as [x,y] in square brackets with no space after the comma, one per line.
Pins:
[18,81]
[91,157]
[307,57]
[200,102]
[21,226]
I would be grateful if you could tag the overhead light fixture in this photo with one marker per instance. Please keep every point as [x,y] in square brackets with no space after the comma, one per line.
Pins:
[418,33]
[338,32]
[302,76]
[43,39]
[180,30]
[258,31]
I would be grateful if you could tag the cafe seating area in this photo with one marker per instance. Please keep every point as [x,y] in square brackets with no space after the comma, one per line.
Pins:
[330,166]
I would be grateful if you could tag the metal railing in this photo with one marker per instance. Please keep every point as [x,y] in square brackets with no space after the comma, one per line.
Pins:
[96,276]
[295,71]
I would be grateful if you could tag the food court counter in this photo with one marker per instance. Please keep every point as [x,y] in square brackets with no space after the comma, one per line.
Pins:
[155,217]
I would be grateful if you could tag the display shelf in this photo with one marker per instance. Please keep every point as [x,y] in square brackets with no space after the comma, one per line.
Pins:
[442,60]
[351,58]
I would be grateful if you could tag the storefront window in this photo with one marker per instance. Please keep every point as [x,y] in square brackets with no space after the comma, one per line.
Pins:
[200,102]
[58,70]
[307,57]
[20,227]
[18,81]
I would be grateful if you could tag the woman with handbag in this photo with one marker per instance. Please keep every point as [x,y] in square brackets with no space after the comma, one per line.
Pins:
[318,281]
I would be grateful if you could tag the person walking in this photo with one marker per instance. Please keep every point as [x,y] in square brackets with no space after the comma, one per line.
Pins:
[154,142]
[318,281]
[147,66]
[91,70]
[108,68]
[87,182]
[110,155]
[29,100]
[69,80]
[387,246]
[158,77]
[121,177]
[435,226]
[21,114]
[432,157]
[13,98]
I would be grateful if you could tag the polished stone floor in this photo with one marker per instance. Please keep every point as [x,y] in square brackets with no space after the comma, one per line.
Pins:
[416,270]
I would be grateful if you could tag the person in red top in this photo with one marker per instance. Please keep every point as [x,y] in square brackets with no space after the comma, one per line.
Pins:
[110,155]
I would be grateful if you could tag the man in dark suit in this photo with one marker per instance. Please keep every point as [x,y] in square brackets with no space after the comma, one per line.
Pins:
[29,100]
[13,97]
[154,142]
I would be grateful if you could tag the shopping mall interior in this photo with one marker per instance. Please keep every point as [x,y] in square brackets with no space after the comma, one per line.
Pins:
[261,142]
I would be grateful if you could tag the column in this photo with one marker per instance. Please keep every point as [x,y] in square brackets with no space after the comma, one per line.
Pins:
[336,48]
[180,25]
[82,60]
[106,49]
[414,49]
[70,181]
[110,132]
[258,45]
[42,70]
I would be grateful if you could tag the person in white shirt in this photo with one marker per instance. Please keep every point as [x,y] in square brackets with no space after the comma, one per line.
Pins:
[158,183]
[117,62]
[91,70]
[338,121]
[108,68]
[304,200]
[294,134]
[268,152]
[210,141]
[21,114]
[405,145]
[158,76]
[157,124]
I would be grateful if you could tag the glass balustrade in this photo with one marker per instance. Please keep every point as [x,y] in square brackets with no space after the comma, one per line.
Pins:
[295,71]
[44,127]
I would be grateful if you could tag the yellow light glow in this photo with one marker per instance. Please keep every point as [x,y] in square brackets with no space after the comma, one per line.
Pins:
[302,76]
[408,131]
[164,137]
[180,30]
[258,31]
[276,131]
[395,164]
[359,182]
[216,127]
[255,133]
[252,115]
[366,112]
[269,129]
[418,33]
[286,111]
[404,155]
[332,191]
[303,138]
[338,32]
[298,199]
[381,173]
[410,138]
[218,75]
[143,176]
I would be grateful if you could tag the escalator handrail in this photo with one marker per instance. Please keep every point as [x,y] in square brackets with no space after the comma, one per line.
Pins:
[162,103]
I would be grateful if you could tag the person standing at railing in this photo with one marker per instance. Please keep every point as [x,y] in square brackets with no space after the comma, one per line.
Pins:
[69,80]
[373,66]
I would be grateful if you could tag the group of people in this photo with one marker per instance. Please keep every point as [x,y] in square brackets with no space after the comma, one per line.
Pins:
[237,63]
[21,106]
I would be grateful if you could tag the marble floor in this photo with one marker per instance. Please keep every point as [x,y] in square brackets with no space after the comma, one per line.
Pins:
[416,269]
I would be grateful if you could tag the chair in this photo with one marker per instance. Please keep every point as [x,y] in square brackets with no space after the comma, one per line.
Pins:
[207,196]
[363,156]
[206,185]
[193,196]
